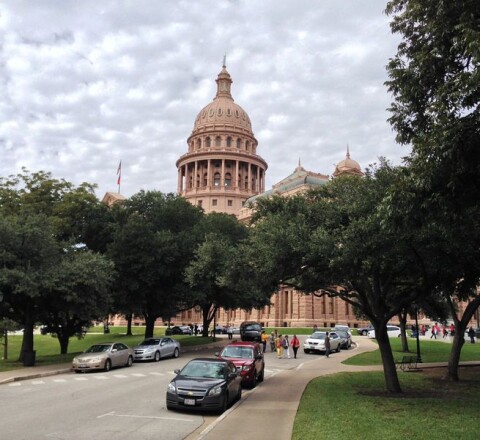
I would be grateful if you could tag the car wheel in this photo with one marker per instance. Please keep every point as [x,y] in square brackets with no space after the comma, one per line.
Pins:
[108,365]
[176,352]
[157,356]
[306,350]
[224,404]
[261,376]
[129,361]
[338,348]
[239,394]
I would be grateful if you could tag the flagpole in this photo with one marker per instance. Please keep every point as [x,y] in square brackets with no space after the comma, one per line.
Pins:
[119,174]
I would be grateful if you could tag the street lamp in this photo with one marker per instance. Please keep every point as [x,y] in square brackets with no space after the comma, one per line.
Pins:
[419,357]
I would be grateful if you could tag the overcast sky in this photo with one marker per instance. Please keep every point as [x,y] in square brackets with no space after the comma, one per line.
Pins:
[85,84]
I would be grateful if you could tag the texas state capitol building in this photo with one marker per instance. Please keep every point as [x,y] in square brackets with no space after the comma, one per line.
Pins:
[222,172]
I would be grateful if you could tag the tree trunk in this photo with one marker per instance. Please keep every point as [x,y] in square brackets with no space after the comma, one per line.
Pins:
[208,312]
[63,339]
[129,324]
[27,341]
[149,326]
[403,327]
[389,369]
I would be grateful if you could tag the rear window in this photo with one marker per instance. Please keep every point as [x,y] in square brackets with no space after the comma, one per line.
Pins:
[255,327]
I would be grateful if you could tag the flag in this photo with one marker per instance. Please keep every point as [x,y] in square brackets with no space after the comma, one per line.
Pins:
[119,172]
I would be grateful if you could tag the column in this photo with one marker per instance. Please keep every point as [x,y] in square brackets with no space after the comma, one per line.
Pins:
[236,182]
[257,186]
[209,174]
[249,186]
[179,182]
[222,176]
[195,177]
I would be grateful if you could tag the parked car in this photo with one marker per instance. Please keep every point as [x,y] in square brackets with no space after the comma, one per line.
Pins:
[345,337]
[364,330]
[153,349]
[103,357]
[205,384]
[178,330]
[220,330]
[235,330]
[342,327]
[248,358]
[251,331]
[393,331]
[316,342]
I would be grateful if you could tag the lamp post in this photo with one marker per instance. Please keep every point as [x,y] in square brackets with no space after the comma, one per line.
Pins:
[419,357]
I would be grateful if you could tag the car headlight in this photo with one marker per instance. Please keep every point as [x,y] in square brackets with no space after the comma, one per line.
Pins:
[75,360]
[215,391]
[246,367]
[172,388]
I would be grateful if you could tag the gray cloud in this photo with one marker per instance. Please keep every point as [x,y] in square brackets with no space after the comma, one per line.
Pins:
[87,84]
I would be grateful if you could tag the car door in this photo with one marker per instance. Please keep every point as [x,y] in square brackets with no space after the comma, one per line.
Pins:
[334,341]
[166,347]
[234,382]
[119,354]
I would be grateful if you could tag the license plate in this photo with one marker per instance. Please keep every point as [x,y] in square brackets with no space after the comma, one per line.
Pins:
[82,366]
[189,401]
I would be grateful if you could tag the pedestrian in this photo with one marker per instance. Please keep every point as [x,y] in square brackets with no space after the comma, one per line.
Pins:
[444,331]
[195,330]
[286,346]
[272,342]
[230,332]
[279,345]
[264,341]
[315,328]
[452,329]
[434,331]
[423,329]
[327,345]
[471,335]
[295,343]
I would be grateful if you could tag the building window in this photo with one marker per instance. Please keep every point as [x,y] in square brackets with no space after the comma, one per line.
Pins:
[199,203]
[218,141]
[216,179]
[247,146]
[229,203]
[208,141]
[228,179]
[205,179]
[199,144]
[214,202]
[239,143]
[229,142]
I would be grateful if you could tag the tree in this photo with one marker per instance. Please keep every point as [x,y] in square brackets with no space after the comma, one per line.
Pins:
[78,292]
[152,245]
[336,241]
[434,79]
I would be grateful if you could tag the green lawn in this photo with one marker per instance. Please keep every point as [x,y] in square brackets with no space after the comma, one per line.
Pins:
[48,348]
[356,406]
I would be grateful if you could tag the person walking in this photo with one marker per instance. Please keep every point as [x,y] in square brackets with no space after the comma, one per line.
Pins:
[471,335]
[444,331]
[264,341]
[327,345]
[286,346]
[272,342]
[230,332]
[279,345]
[295,343]
[434,331]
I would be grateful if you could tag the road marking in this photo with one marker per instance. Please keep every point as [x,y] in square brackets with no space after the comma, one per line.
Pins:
[100,377]
[300,366]
[156,373]
[120,376]
[15,384]
[138,374]
[37,382]
[80,378]
[59,380]
[113,414]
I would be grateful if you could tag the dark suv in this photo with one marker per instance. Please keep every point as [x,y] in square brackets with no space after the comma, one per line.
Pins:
[251,331]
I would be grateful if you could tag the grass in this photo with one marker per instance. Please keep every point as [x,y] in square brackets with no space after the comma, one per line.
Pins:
[354,405]
[48,348]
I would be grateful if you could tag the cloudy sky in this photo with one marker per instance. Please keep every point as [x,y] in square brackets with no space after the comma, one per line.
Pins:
[85,84]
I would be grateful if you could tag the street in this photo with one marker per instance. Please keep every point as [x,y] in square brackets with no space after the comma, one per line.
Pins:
[123,403]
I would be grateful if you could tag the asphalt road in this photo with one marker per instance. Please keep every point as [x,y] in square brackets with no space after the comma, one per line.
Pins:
[125,403]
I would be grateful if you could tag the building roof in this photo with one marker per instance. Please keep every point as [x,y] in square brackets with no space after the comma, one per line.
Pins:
[348,166]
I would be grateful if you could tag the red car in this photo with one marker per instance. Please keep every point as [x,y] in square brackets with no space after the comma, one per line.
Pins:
[248,358]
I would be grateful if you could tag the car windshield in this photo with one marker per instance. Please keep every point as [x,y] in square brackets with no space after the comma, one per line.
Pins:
[342,333]
[151,342]
[255,327]
[237,352]
[318,336]
[213,370]
[99,348]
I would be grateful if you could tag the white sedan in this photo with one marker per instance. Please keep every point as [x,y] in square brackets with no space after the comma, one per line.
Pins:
[392,330]
[316,342]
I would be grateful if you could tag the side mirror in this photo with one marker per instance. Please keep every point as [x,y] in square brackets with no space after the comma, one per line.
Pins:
[114,350]
[177,371]
[232,375]
[217,354]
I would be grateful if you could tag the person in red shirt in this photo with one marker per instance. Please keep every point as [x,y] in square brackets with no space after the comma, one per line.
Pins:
[295,343]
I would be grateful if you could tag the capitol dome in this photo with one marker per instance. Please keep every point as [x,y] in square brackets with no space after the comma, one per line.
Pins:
[223,111]
[348,166]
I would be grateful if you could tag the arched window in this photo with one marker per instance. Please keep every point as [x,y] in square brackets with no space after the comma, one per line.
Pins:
[246,182]
[198,181]
[229,142]
[205,180]
[218,141]
[208,142]
[247,146]
[216,179]
[239,143]
[199,144]
[228,179]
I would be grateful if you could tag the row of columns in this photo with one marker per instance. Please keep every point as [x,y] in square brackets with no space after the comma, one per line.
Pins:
[253,171]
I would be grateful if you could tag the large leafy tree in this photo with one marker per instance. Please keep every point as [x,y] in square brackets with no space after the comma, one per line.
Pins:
[77,293]
[336,241]
[153,243]
[435,82]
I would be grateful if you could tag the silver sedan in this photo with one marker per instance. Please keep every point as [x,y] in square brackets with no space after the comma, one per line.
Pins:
[153,349]
[103,356]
